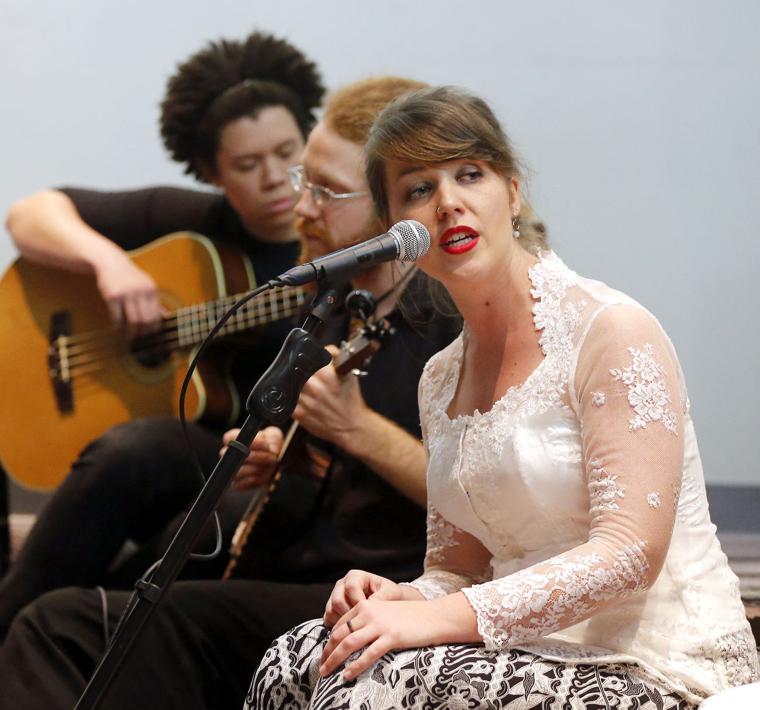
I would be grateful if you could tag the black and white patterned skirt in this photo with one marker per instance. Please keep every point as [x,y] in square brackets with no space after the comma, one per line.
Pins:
[448,677]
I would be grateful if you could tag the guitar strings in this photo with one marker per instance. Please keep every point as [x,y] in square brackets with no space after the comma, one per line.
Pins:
[87,352]
[189,328]
[286,295]
[83,366]
[188,325]
[78,363]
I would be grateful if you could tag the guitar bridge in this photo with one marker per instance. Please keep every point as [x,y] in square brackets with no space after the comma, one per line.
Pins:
[58,361]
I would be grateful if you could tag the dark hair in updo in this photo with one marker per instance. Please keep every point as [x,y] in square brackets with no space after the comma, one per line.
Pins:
[438,124]
[228,80]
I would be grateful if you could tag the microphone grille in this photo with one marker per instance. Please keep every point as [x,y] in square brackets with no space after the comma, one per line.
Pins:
[413,239]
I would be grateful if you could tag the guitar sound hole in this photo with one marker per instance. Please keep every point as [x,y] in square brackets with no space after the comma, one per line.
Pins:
[150,350]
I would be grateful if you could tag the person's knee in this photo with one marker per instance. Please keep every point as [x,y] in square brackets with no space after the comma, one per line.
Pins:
[127,455]
[128,444]
[52,613]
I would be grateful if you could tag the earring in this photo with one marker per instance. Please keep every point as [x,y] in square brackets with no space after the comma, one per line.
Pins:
[516,227]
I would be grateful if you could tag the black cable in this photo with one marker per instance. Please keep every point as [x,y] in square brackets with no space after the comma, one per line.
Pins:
[104,610]
[182,395]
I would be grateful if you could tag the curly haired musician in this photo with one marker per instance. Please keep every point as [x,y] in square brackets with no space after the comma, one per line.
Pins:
[237,115]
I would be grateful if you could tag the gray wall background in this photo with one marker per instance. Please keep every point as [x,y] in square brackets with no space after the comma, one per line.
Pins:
[640,124]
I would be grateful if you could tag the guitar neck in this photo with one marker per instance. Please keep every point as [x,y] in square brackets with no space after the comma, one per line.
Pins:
[194,323]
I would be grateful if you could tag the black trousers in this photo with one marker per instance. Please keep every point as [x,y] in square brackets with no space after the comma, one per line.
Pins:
[198,650]
[130,484]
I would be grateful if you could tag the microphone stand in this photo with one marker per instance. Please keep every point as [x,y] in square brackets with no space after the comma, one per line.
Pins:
[272,400]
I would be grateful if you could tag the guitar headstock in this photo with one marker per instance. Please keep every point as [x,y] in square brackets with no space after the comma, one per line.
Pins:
[355,352]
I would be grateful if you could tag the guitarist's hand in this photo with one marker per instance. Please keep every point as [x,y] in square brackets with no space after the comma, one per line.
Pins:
[260,463]
[330,406]
[131,295]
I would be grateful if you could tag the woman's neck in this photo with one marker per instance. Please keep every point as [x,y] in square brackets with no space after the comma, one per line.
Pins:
[502,304]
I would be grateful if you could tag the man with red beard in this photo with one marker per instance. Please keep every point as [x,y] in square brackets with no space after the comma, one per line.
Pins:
[207,636]
[335,211]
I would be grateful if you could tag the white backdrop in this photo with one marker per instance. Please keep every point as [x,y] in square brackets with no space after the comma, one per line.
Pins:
[639,123]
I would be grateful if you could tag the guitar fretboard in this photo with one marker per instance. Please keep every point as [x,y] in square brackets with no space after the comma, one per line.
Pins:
[195,322]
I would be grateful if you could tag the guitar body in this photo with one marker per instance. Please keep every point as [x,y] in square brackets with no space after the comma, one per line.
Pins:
[39,439]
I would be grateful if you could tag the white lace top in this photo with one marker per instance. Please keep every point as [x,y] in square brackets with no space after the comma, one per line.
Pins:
[573,514]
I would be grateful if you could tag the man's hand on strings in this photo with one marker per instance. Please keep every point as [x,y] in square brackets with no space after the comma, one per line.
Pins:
[261,461]
[331,406]
[131,295]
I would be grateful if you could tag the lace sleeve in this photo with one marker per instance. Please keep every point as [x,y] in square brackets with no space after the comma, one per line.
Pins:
[627,386]
[454,559]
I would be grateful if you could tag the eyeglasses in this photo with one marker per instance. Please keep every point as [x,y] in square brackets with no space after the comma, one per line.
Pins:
[322,195]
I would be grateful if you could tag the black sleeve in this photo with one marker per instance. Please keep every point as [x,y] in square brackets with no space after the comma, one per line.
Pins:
[133,218]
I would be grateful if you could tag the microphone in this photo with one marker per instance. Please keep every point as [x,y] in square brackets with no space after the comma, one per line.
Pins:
[406,241]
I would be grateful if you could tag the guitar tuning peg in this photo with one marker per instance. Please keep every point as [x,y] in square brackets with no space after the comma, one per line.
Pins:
[361,303]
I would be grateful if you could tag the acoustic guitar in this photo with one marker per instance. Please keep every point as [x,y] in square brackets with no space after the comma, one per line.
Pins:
[68,375]
[279,511]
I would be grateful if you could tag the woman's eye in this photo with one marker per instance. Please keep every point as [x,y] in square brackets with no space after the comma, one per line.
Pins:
[417,191]
[470,175]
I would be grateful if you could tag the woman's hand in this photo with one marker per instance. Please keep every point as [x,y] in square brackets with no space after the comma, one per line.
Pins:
[359,585]
[259,465]
[379,626]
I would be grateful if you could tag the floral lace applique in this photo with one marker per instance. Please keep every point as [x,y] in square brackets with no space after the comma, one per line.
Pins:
[675,487]
[544,388]
[598,399]
[437,386]
[654,500]
[690,500]
[647,393]
[738,656]
[546,385]
[438,583]
[440,536]
[603,488]
[529,604]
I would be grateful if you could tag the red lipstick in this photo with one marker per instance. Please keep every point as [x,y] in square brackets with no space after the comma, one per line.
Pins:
[459,239]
